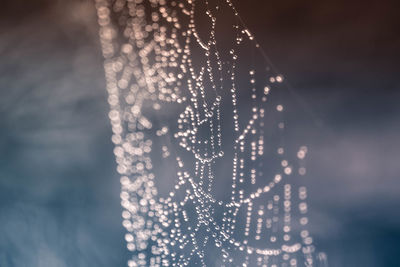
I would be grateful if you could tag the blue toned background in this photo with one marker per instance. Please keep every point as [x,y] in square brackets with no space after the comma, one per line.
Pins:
[59,193]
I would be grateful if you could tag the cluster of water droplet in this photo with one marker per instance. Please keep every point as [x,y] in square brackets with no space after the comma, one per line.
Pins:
[148,47]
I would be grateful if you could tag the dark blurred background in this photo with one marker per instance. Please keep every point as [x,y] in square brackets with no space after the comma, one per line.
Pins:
[59,193]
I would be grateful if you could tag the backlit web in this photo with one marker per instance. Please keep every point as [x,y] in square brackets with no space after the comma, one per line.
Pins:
[198,127]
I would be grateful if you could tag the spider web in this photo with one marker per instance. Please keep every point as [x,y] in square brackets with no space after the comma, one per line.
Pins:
[197,117]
